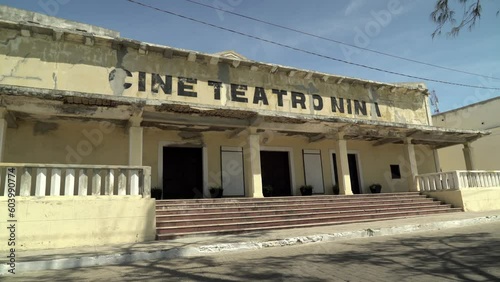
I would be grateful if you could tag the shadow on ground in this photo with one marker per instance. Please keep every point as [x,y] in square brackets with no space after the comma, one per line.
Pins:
[462,257]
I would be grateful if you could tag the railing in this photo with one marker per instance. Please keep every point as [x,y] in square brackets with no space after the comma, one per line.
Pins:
[74,180]
[458,180]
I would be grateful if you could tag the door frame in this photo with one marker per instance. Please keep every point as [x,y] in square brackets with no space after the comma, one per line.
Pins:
[358,164]
[290,163]
[204,161]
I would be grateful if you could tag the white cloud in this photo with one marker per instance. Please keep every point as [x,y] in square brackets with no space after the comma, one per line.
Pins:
[354,5]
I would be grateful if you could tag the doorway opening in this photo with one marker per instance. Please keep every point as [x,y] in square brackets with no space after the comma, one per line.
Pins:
[182,172]
[275,170]
[353,172]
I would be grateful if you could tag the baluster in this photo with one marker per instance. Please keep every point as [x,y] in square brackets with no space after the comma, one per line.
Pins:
[431,183]
[482,180]
[134,182]
[122,183]
[25,190]
[83,182]
[427,183]
[55,182]
[41,182]
[450,180]
[109,182]
[96,182]
[146,182]
[439,185]
[69,183]
[446,181]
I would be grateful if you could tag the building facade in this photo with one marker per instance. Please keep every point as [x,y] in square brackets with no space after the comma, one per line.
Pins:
[86,115]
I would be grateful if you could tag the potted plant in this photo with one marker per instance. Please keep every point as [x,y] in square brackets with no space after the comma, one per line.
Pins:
[267,190]
[156,192]
[306,190]
[216,191]
[375,188]
[336,190]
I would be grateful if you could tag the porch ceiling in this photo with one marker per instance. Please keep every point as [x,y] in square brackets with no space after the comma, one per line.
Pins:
[23,102]
[313,127]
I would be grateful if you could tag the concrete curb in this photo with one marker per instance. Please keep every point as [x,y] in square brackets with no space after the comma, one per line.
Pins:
[218,248]
[129,257]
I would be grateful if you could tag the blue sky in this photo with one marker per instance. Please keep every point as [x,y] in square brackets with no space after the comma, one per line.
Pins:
[406,33]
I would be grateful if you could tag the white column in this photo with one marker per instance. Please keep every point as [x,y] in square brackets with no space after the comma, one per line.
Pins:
[135,135]
[469,156]
[252,162]
[411,164]
[344,174]
[3,132]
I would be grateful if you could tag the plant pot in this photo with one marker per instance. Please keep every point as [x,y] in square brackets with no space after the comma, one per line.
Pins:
[336,191]
[267,191]
[216,194]
[376,189]
[306,192]
[156,193]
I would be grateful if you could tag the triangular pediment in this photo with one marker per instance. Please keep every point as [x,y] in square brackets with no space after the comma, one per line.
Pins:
[231,55]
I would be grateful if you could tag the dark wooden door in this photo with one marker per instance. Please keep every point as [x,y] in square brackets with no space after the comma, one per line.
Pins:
[182,173]
[275,169]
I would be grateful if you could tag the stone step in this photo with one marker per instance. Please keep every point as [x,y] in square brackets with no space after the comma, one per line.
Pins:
[176,231]
[271,210]
[319,202]
[289,198]
[169,236]
[289,216]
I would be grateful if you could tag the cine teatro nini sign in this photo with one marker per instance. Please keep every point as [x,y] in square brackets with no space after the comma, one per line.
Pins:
[186,89]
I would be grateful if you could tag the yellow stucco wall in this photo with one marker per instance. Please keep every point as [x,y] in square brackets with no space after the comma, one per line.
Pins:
[64,222]
[374,162]
[100,69]
[481,116]
[67,142]
[471,199]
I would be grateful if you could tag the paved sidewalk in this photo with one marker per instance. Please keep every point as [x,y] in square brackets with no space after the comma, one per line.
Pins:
[209,245]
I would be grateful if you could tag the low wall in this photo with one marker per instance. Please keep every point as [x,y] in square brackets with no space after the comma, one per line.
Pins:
[62,222]
[470,199]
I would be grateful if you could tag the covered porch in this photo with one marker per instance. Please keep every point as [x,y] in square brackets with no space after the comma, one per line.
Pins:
[320,151]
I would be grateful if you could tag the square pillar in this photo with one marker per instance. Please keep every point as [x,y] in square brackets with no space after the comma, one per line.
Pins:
[135,140]
[344,174]
[411,164]
[469,156]
[252,162]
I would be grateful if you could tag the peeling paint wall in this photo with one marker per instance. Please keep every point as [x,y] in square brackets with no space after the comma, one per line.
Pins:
[41,61]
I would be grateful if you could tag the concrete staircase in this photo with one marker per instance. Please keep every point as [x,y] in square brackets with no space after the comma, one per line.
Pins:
[175,218]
